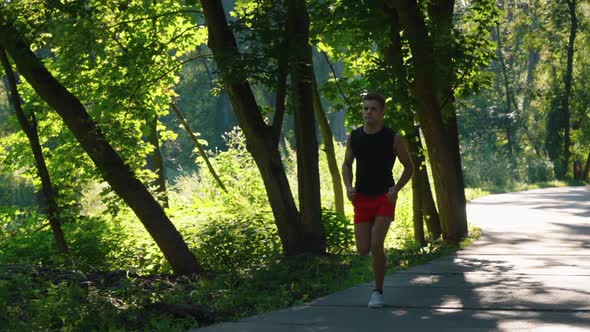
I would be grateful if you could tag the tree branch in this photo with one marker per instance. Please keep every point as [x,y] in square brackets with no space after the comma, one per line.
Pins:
[348,103]
[187,11]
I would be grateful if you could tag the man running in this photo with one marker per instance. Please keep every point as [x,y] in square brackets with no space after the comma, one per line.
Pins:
[374,194]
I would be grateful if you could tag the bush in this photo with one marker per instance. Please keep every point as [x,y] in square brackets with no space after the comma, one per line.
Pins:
[237,243]
[16,191]
[539,170]
[339,232]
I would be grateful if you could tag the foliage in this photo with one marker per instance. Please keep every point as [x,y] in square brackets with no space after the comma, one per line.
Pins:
[16,190]
[121,61]
[521,137]
[357,33]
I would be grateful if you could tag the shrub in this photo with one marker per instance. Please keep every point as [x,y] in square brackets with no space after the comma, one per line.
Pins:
[539,170]
[339,232]
[237,244]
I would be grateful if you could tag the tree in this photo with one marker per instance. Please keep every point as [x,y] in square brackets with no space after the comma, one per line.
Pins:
[124,60]
[568,79]
[432,57]
[261,138]
[155,160]
[302,77]
[29,125]
[423,206]
[119,175]
[328,148]
[558,138]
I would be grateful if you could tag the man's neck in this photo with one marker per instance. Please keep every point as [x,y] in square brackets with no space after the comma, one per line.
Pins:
[372,129]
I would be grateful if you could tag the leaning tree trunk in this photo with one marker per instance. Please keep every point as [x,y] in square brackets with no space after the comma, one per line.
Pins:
[30,129]
[118,174]
[261,140]
[329,149]
[308,174]
[195,140]
[156,161]
[441,136]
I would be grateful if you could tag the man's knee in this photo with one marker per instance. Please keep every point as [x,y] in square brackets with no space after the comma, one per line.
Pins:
[377,250]
[363,250]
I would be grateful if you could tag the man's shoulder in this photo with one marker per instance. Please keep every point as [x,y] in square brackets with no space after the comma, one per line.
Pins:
[356,131]
[390,132]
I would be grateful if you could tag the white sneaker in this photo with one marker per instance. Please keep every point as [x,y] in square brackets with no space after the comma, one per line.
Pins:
[376,300]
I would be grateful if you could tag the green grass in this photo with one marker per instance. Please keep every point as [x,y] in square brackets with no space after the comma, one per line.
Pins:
[473,193]
[38,297]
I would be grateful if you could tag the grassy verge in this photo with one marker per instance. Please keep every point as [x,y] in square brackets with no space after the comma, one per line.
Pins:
[473,193]
[38,297]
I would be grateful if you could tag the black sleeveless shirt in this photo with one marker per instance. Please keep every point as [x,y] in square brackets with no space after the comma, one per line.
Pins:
[374,160]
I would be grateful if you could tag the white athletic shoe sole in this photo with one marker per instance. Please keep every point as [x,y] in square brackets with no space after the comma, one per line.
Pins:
[376,300]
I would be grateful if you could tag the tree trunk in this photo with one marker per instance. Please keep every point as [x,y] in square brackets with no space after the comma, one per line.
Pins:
[568,80]
[30,129]
[427,209]
[308,175]
[441,137]
[586,173]
[441,29]
[508,96]
[329,149]
[118,174]
[199,146]
[417,193]
[156,161]
[423,202]
[533,61]
[260,139]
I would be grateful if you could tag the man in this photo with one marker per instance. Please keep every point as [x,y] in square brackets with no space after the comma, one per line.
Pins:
[374,194]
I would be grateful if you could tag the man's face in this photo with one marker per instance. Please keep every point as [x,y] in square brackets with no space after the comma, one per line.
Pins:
[372,112]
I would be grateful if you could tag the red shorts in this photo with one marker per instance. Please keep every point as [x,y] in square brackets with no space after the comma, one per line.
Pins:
[366,208]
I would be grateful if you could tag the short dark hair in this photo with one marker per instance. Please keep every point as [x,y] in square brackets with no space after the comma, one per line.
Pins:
[375,96]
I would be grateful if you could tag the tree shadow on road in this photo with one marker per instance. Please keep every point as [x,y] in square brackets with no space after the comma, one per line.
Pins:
[489,293]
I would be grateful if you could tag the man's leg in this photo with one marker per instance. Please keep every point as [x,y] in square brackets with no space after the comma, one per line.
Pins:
[362,236]
[377,240]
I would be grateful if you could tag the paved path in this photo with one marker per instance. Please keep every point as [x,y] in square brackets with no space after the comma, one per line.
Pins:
[530,271]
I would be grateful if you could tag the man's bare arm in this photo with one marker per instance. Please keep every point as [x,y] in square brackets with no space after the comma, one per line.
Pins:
[403,155]
[347,170]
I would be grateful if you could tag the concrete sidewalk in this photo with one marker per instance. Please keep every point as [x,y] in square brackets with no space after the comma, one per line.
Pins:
[530,271]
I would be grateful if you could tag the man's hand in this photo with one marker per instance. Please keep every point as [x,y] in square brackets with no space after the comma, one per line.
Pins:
[392,194]
[350,192]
